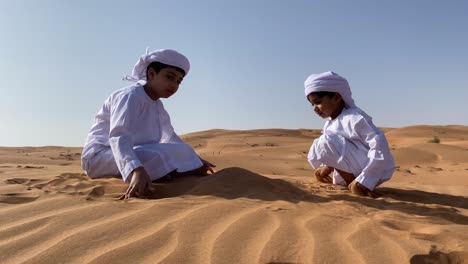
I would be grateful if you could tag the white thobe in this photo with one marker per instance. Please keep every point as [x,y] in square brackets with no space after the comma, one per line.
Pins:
[352,143]
[131,130]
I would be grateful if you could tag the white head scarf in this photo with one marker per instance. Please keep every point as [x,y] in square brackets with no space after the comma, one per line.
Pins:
[166,56]
[329,82]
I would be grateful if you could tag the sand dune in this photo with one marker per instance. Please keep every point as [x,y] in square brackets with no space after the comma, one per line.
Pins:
[261,206]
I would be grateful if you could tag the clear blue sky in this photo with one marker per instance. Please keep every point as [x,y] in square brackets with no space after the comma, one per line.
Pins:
[406,61]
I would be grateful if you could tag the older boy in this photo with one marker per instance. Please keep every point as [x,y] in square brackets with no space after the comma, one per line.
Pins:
[351,146]
[132,134]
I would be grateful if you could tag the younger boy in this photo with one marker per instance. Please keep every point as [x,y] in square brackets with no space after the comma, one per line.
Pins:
[132,134]
[351,146]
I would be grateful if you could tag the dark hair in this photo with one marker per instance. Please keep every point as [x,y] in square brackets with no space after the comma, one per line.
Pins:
[322,94]
[158,66]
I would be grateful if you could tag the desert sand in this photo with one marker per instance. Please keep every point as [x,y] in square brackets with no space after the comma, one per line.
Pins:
[261,206]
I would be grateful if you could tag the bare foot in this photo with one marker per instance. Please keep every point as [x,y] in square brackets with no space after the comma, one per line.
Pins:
[347,177]
[322,174]
[361,190]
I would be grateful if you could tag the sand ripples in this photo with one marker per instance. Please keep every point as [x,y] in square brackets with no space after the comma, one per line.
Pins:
[218,219]
[51,213]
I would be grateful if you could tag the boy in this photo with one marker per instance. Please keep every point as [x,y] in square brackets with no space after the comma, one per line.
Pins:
[351,146]
[132,134]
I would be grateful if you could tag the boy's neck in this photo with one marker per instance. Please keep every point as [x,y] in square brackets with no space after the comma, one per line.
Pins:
[150,94]
[337,113]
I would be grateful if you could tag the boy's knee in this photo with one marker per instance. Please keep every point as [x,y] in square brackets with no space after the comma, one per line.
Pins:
[329,148]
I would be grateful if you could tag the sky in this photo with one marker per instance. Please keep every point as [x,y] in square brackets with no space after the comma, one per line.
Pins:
[406,61]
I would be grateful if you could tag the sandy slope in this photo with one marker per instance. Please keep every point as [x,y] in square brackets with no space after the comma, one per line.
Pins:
[262,206]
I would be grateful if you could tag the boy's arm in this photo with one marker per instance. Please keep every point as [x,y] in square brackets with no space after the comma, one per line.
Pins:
[122,114]
[378,153]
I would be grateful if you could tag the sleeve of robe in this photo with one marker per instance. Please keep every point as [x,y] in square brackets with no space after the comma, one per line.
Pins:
[175,138]
[378,153]
[168,135]
[123,114]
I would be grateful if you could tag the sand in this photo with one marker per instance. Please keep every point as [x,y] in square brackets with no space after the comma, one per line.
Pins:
[261,206]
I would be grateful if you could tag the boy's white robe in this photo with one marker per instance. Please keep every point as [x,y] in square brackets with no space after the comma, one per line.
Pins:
[352,143]
[131,130]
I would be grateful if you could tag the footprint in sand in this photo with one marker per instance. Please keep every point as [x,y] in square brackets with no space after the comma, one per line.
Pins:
[24,181]
[34,167]
[68,183]
[276,208]
[31,167]
[16,180]
[67,156]
[435,169]
[16,198]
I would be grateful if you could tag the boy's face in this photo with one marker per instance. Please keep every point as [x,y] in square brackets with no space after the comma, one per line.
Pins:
[326,106]
[165,83]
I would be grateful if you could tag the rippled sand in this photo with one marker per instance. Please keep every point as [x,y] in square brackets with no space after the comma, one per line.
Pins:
[262,206]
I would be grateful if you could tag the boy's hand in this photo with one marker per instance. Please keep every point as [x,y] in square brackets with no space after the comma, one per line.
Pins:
[322,174]
[201,171]
[140,185]
[207,166]
[359,189]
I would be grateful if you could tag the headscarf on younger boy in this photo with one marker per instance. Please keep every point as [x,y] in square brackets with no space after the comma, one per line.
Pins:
[329,82]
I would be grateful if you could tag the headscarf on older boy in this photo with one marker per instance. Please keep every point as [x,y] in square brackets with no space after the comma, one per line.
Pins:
[166,56]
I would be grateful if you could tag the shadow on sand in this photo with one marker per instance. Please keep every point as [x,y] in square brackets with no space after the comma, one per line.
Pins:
[438,257]
[234,183]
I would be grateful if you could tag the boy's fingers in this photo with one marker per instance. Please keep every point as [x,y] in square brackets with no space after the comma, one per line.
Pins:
[124,197]
[127,192]
[147,190]
[207,163]
[142,191]
[134,193]
[131,192]
[323,179]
